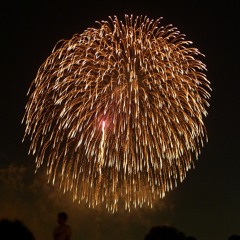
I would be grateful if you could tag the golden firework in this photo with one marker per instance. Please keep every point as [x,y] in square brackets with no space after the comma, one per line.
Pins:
[117,112]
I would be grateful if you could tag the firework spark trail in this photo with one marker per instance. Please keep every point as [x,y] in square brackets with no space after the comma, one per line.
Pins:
[117,112]
[101,158]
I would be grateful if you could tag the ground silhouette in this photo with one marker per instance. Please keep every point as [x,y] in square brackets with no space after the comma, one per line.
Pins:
[14,229]
[234,237]
[164,233]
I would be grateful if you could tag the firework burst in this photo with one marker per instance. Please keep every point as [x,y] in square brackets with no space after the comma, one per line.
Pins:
[117,112]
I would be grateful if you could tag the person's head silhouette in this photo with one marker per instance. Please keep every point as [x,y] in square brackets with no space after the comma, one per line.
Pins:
[62,218]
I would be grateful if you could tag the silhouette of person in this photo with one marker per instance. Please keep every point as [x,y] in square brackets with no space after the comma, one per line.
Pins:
[164,233]
[63,231]
[11,230]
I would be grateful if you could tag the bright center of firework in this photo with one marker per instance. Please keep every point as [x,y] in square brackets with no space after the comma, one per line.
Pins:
[103,126]
[144,81]
[102,145]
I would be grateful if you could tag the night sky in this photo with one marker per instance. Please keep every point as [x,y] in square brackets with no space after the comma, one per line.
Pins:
[206,205]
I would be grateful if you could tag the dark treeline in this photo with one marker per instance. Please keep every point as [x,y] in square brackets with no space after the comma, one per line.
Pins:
[15,229]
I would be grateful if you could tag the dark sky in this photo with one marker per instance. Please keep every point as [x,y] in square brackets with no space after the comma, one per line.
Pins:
[207,204]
